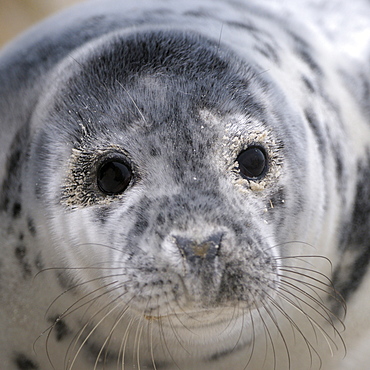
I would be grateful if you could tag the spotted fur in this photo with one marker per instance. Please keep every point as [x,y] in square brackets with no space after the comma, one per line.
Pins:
[195,264]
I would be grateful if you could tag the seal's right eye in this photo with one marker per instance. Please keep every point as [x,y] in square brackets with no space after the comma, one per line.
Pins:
[113,177]
[252,163]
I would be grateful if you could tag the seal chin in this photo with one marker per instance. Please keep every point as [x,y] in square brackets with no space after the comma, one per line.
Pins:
[219,322]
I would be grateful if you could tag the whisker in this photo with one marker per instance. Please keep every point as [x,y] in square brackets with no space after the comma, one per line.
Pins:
[303,258]
[139,331]
[78,286]
[298,303]
[240,332]
[334,294]
[329,340]
[326,317]
[219,37]
[291,269]
[150,337]
[268,336]
[124,341]
[133,101]
[174,330]
[69,310]
[309,345]
[253,339]
[189,317]
[319,301]
[91,318]
[229,322]
[90,334]
[297,243]
[276,324]
[163,339]
[118,320]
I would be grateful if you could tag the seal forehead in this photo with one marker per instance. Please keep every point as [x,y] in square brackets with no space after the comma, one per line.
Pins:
[181,70]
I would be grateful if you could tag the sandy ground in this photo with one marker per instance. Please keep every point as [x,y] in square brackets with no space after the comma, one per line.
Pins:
[18,15]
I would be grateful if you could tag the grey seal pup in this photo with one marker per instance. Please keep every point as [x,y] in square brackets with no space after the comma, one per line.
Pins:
[185,185]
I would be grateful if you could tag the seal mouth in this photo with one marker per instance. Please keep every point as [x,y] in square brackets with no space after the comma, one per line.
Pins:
[205,317]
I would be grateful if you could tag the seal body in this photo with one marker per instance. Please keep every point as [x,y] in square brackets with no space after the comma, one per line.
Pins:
[186,185]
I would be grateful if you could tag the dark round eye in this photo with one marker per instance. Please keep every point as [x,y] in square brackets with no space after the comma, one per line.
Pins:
[113,177]
[252,163]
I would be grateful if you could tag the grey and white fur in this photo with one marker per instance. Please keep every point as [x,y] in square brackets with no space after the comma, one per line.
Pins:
[185,185]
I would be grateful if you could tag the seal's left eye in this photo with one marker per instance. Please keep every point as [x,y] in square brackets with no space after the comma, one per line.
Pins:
[114,176]
[252,163]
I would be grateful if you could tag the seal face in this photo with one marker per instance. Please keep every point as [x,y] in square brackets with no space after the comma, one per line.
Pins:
[173,197]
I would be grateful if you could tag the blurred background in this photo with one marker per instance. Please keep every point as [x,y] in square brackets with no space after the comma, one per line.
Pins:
[17,15]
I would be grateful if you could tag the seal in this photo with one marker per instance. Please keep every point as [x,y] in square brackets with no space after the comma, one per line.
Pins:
[185,186]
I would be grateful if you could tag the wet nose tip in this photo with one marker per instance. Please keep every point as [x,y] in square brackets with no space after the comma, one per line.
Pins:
[201,250]
[207,248]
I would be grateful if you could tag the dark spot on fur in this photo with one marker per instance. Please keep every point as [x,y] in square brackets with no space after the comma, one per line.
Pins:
[361,214]
[60,328]
[17,208]
[356,243]
[316,129]
[238,230]
[217,356]
[31,226]
[14,158]
[303,50]
[341,180]
[175,289]
[306,56]
[196,13]
[246,26]
[159,12]
[11,185]
[5,201]
[102,214]
[348,283]
[20,252]
[299,42]
[39,262]
[308,84]
[268,51]
[160,219]
[92,350]
[154,152]
[65,280]
[21,255]
[24,363]
[142,222]
[140,226]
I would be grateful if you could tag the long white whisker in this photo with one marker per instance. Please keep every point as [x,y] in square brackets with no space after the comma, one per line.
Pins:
[90,334]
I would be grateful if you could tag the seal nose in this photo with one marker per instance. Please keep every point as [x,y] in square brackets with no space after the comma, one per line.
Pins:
[199,250]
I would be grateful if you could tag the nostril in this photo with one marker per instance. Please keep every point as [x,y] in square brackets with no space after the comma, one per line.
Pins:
[216,240]
[205,249]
